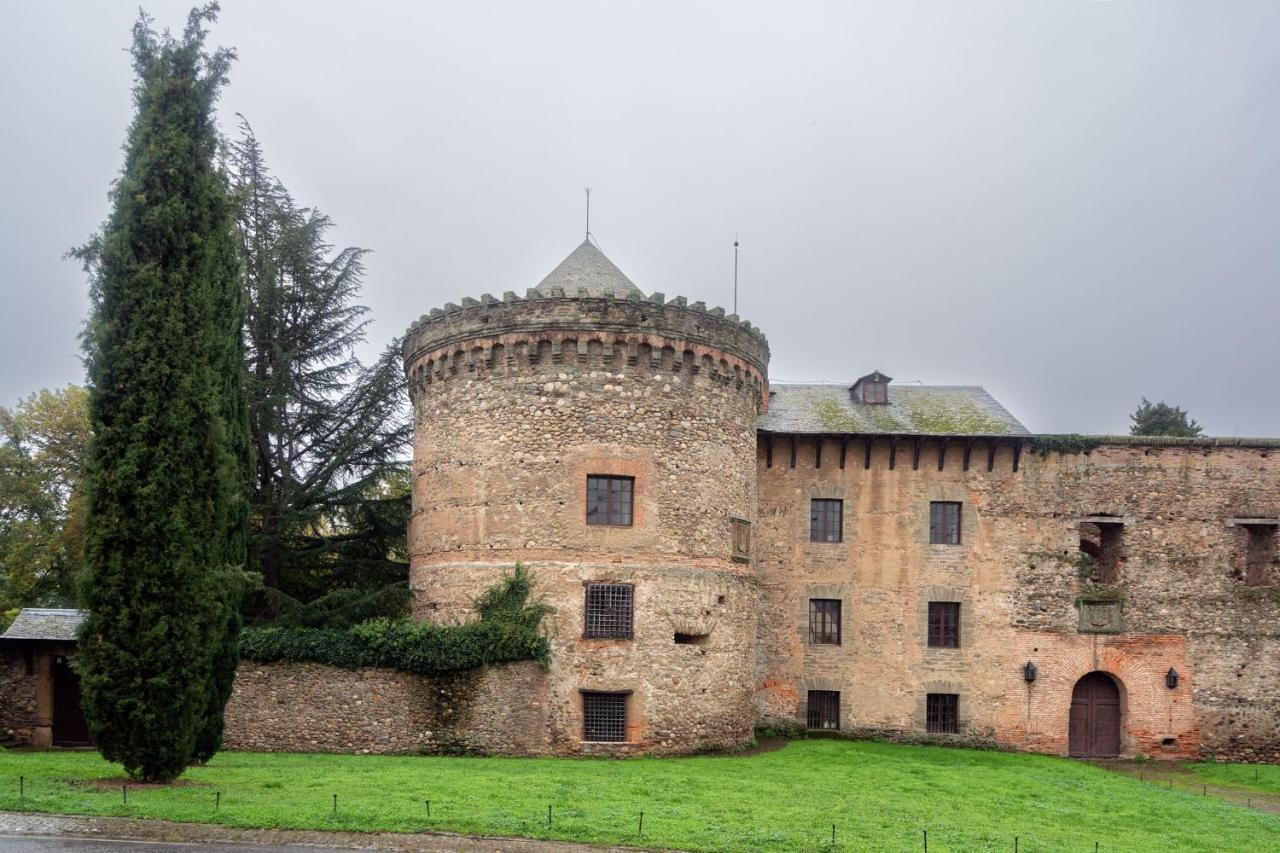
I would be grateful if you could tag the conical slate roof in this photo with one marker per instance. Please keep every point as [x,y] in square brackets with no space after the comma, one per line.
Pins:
[587,268]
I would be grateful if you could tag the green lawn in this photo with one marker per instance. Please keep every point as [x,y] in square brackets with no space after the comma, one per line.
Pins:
[1264,778]
[879,796]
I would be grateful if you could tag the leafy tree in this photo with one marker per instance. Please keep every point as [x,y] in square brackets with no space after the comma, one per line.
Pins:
[330,494]
[164,477]
[42,444]
[1162,419]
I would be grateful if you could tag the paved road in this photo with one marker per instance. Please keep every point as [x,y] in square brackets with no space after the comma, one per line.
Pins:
[29,844]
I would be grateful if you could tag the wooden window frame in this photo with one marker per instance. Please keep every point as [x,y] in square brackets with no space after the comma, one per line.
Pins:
[822,711]
[875,392]
[942,529]
[614,513]
[820,518]
[942,713]
[608,611]
[944,625]
[821,621]
[604,713]
[740,539]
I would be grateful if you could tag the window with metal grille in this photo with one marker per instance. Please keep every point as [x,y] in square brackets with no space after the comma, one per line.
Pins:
[824,709]
[824,621]
[944,523]
[944,624]
[609,500]
[941,713]
[826,520]
[609,610]
[741,531]
[604,717]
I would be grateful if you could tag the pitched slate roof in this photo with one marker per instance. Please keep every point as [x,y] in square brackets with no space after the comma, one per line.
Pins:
[588,268]
[911,410]
[45,623]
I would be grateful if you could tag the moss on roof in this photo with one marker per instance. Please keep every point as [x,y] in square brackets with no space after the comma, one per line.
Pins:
[919,410]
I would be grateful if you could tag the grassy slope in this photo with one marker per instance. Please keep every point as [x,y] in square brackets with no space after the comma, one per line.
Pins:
[1247,777]
[880,796]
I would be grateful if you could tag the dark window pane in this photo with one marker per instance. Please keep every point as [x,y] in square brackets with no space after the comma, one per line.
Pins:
[941,713]
[609,500]
[824,621]
[824,709]
[604,717]
[609,610]
[944,523]
[944,624]
[826,520]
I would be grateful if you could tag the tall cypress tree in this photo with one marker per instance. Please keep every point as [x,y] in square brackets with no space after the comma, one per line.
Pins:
[165,475]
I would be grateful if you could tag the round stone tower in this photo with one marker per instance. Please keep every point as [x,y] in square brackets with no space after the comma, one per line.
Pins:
[606,440]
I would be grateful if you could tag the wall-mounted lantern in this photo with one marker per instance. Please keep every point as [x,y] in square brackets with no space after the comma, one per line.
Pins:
[1171,678]
[1029,672]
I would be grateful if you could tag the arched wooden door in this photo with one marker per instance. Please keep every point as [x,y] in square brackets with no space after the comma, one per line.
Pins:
[1095,718]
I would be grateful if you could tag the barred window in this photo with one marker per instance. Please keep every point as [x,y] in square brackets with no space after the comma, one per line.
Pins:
[826,520]
[609,500]
[941,713]
[944,624]
[604,717]
[609,610]
[944,523]
[824,621]
[824,710]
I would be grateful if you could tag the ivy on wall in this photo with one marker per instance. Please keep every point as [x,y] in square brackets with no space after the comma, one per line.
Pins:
[507,630]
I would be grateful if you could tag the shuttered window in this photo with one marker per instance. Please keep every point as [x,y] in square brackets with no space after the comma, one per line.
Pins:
[944,523]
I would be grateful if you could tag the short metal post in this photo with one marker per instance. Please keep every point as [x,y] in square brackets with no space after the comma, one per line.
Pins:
[124,793]
[335,805]
[641,823]
[833,835]
[217,800]
[926,841]
[1015,844]
[548,814]
[22,787]
[428,809]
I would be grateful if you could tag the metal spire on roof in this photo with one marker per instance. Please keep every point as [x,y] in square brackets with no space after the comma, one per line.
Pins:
[735,273]
[588,191]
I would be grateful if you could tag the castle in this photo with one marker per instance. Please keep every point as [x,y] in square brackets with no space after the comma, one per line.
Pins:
[725,554]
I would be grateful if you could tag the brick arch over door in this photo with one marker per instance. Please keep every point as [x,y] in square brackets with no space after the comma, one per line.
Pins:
[1094,721]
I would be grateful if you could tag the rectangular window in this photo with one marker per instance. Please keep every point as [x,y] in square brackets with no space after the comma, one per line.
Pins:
[609,500]
[604,717]
[944,624]
[1260,554]
[824,710]
[941,713]
[944,523]
[824,621]
[609,610]
[826,520]
[1102,549]
[741,532]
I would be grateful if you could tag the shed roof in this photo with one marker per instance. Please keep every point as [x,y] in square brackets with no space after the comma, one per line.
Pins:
[45,623]
[911,410]
[588,269]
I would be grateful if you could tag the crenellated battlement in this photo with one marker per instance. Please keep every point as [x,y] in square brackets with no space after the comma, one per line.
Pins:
[515,334]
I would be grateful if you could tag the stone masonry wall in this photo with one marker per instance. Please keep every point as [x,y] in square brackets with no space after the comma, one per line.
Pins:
[306,707]
[18,689]
[516,404]
[1019,576]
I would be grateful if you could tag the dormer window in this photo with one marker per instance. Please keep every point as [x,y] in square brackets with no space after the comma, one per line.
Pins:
[872,388]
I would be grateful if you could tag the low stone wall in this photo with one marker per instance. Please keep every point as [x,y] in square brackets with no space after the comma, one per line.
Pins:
[308,707]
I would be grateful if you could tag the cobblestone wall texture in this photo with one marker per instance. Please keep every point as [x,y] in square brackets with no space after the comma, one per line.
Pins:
[1019,576]
[306,707]
[17,696]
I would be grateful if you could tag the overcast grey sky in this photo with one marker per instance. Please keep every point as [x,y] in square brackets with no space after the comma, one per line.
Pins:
[1072,203]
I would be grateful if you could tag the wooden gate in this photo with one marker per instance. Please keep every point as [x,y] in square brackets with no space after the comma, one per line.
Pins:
[69,726]
[1095,718]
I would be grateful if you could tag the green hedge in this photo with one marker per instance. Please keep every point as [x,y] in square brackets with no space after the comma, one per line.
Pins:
[506,631]
[403,644]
